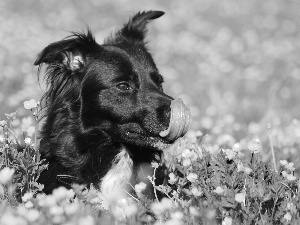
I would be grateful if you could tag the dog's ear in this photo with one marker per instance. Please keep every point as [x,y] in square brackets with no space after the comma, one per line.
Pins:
[69,53]
[135,30]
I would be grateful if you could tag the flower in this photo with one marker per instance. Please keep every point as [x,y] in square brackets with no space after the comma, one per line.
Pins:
[196,192]
[177,215]
[291,207]
[56,210]
[60,193]
[194,211]
[219,190]
[247,170]
[6,175]
[30,104]
[186,162]
[9,219]
[160,207]
[27,141]
[130,210]
[229,153]
[154,165]
[11,116]
[291,177]
[254,145]
[283,162]
[140,187]
[29,205]
[173,178]
[88,220]
[192,177]
[3,123]
[32,215]
[27,196]
[240,197]
[288,216]
[240,167]
[227,221]
[290,166]
[236,147]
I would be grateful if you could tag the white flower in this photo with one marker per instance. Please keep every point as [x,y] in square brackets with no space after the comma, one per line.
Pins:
[30,104]
[130,210]
[173,178]
[9,219]
[196,192]
[88,220]
[160,207]
[47,201]
[2,123]
[227,221]
[240,197]
[288,216]
[291,177]
[177,215]
[6,175]
[56,210]
[236,147]
[27,141]
[140,187]
[229,153]
[71,208]
[32,215]
[254,145]
[240,167]
[192,177]
[283,162]
[27,196]
[186,153]
[194,211]
[247,170]
[154,165]
[290,166]
[186,162]
[219,190]
[29,205]
[60,193]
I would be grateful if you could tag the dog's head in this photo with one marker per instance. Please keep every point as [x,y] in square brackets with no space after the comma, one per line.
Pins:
[115,87]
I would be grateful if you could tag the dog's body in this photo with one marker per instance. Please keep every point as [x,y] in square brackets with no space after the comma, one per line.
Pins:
[104,108]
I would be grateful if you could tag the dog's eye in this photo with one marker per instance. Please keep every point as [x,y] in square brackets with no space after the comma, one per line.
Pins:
[124,86]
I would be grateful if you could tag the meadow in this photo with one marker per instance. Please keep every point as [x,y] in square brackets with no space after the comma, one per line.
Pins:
[235,63]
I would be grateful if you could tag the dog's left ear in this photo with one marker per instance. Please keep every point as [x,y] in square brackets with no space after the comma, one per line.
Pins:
[70,53]
[135,30]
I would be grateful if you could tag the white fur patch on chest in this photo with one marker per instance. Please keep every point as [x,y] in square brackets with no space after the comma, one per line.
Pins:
[114,183]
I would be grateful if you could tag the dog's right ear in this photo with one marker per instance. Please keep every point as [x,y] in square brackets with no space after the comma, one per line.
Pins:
[70,53]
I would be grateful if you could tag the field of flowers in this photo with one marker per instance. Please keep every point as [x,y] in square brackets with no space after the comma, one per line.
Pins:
[235,63]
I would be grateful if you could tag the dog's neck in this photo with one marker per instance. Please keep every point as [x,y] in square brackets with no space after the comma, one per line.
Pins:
[117,179]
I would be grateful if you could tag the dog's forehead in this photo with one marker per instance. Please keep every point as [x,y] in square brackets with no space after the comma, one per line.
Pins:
[137,56]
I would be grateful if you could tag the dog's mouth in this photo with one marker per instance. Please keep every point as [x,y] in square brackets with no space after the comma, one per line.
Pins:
[159,140]
[147,140]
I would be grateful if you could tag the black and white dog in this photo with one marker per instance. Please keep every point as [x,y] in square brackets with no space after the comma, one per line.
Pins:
[104,108]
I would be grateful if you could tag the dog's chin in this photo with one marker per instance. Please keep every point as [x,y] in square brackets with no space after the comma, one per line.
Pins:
[145,141]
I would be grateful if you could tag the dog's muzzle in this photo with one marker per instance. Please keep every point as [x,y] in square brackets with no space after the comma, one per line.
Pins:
[179,121]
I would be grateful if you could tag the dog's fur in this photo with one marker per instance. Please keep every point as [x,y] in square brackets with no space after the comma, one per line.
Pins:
[103,109]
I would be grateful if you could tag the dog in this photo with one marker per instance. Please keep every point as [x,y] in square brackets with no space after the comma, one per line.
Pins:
[104,108]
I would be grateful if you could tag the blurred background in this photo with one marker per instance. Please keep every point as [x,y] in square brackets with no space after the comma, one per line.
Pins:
[235,63]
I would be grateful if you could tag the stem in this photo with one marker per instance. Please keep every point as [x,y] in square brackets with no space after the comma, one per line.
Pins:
[35,138]
[154,185]
[272,148]
[14,135]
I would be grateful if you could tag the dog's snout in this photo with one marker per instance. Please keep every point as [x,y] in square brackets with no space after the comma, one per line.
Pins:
[164,114]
